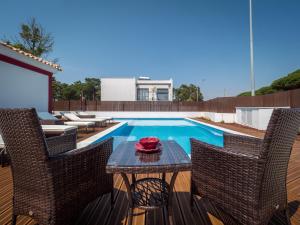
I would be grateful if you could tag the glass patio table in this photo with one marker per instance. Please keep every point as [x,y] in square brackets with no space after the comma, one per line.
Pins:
[149,193]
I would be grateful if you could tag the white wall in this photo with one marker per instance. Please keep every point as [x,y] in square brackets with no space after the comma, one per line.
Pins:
[125,89]
[255,117]
[118,89]
[20,87]
[219,117]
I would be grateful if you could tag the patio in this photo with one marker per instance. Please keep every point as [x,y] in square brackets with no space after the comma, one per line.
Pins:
[99,212]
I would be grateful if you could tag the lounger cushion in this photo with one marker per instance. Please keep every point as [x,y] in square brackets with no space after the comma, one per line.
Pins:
[1,142]
[46,116]
[71,116]
[57,128]
[79,123]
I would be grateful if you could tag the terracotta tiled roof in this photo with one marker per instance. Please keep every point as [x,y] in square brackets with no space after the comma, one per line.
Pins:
[56,66]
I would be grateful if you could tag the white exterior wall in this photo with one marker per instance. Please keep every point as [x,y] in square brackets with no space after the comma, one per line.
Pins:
[125,89]
[219,117]
[255,117]
[20,87]
[118,89]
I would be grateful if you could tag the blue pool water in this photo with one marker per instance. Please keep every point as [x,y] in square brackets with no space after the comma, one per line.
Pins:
[180,130]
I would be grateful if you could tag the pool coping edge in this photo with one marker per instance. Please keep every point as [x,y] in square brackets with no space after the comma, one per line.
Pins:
[99,135]
[218,127]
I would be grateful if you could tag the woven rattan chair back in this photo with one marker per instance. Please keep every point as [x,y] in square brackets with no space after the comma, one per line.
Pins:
[26,146]
[277,145]
[52,189]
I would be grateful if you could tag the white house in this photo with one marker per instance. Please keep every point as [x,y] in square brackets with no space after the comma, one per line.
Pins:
[25,80]
[136,89]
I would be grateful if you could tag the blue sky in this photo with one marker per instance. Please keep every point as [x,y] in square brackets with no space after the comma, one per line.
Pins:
[205,42]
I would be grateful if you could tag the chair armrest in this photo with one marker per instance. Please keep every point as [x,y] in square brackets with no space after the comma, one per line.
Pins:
[243,144]
[231,179]
[60,144]
[86,116]
[83,168]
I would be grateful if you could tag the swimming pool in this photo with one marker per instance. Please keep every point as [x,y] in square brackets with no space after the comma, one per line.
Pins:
[180,130]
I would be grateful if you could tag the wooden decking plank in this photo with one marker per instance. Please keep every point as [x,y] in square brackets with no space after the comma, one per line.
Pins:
[86,212]
[24,220]
[95,209]
[155,216]
[119,212]
[182,189]
[93,214]
[139,215]
[185,179]
[177,214]
[105,210]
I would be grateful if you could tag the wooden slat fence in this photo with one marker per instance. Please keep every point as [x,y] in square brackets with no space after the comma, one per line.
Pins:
[77,105]
[221,105]
[228,104]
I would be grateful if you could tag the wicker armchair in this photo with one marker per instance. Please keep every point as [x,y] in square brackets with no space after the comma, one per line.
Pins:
[61,144]
[247,178]
[56,145]
[54,186]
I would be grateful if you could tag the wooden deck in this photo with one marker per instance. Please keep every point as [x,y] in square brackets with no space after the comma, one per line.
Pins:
[100,213]
[82,134]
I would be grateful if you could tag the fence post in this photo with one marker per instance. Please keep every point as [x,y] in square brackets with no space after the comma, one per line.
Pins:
[290,98]
[69,105]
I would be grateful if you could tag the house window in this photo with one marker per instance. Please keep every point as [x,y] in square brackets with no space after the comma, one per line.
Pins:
[162,94]
[143,94]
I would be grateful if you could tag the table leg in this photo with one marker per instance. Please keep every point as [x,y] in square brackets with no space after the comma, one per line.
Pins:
[129,197]
[170,209]
[133,179]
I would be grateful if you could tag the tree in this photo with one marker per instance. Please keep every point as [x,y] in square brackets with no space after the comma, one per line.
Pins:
[188,93]
[58,89]
[71,93]
[91,89]
[262,91]
[33,39]
[289,82]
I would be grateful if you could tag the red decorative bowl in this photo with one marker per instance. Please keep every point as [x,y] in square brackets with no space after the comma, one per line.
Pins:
[140,148]
[149,142]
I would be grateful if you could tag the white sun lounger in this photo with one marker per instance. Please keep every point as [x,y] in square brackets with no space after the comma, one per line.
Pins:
[1,143]
[97,117]
[73,117]
[51,129]
[81,124]
[52,120]
[59,129]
